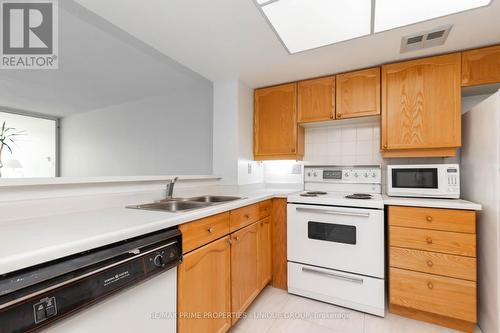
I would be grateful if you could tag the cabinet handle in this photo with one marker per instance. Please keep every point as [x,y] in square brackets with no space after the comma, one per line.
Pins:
[430,263]
[246,216]
[237,238]
[339,115]
[385,146]
[267,222]
[430,285]
[429,218]
[293,150]
[211,229]
[428,240]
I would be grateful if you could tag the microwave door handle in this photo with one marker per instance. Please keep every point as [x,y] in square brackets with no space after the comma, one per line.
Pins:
[333,275]
[332,212]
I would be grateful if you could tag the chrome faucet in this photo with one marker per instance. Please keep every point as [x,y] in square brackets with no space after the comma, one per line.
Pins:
[170,188]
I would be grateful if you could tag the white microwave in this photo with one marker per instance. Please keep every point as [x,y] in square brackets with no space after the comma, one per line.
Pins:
[426,180]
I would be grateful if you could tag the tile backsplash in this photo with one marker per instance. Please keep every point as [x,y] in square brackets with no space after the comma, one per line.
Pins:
[344,144]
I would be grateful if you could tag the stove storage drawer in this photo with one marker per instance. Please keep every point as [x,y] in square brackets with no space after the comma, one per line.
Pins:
[454,220]
[433,263]
[444,296]
[345,289]
[431,240]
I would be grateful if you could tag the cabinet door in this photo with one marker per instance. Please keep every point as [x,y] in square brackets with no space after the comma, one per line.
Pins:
[204,286]
[358,94]
[264,252]
[421,107]
[481,66]
[276,133]
[316,99]
[244,270]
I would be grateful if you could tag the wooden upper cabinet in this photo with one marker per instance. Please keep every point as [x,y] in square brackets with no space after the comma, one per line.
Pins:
[421,110]
[358,94]
[316,99]
[204,286]
[481,66]
[276,132]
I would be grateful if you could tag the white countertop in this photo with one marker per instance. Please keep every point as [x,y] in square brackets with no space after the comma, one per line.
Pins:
[29,242]
[430,202]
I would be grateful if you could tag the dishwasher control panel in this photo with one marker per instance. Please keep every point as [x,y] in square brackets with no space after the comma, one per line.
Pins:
[44,309]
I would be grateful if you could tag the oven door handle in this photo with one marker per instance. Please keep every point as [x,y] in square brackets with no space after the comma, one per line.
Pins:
[333,212]
[333,275]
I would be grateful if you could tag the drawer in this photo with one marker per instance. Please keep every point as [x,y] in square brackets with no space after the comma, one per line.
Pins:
[201,232]
[435,294]
[244,216]
[432,218]
[349,290]
[434,263]
[264,209]
[434,241]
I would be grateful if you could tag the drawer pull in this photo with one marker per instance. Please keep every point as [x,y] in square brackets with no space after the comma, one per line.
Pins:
[430,285]
[428,240]
[246,216]
[430,263]
[237,238]
[429,218]
[333,275]
[211,229]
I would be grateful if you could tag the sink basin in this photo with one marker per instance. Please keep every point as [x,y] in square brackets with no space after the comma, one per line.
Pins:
[173,206]
[214,198]
[176,205]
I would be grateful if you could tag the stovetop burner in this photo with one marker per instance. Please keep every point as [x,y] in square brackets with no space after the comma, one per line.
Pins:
[312,193]
[363,196]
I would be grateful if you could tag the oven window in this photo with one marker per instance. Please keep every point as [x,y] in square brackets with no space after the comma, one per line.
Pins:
[415,178]
[337,233]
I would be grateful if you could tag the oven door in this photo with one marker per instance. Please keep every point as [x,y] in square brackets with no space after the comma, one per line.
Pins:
[340,238]
[416,181]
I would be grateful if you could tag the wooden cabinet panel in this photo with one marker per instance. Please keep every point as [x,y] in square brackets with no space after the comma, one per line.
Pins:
[421,107]
[203,231]
[433,218]
[358,94]
[276,132]
[434,241]
[433,263]
[279,244]
[244,216]
[264,252]
[481,66]
[244,269]
[316,99]
[440,295]
[265,209]
[204,286]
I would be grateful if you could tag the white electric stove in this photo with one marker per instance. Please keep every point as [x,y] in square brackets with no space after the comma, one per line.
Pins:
[336,238]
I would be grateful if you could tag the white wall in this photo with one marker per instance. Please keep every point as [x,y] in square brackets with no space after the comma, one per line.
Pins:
[167,134]
[233,134]
[480,181]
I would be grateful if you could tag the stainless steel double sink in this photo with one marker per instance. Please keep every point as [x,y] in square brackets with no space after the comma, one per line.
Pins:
[175,205]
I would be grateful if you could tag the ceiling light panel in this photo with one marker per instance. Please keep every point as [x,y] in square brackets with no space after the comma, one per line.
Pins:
[307,24]
[391,14]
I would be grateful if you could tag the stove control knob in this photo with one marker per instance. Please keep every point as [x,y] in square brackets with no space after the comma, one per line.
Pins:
[346,174]
[356,175]
[315,174]
[158,261]
[309,174]
[374,175]
[366,174]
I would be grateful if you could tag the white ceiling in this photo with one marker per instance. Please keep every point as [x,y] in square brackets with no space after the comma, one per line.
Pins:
[227,39]
[100,65]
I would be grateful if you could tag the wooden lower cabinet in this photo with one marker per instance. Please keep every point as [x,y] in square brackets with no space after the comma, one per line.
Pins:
[264,252]
[244,269]
[204,287]
[432,273]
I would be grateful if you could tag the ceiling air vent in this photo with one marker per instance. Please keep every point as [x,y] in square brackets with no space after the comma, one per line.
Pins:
[425,39]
